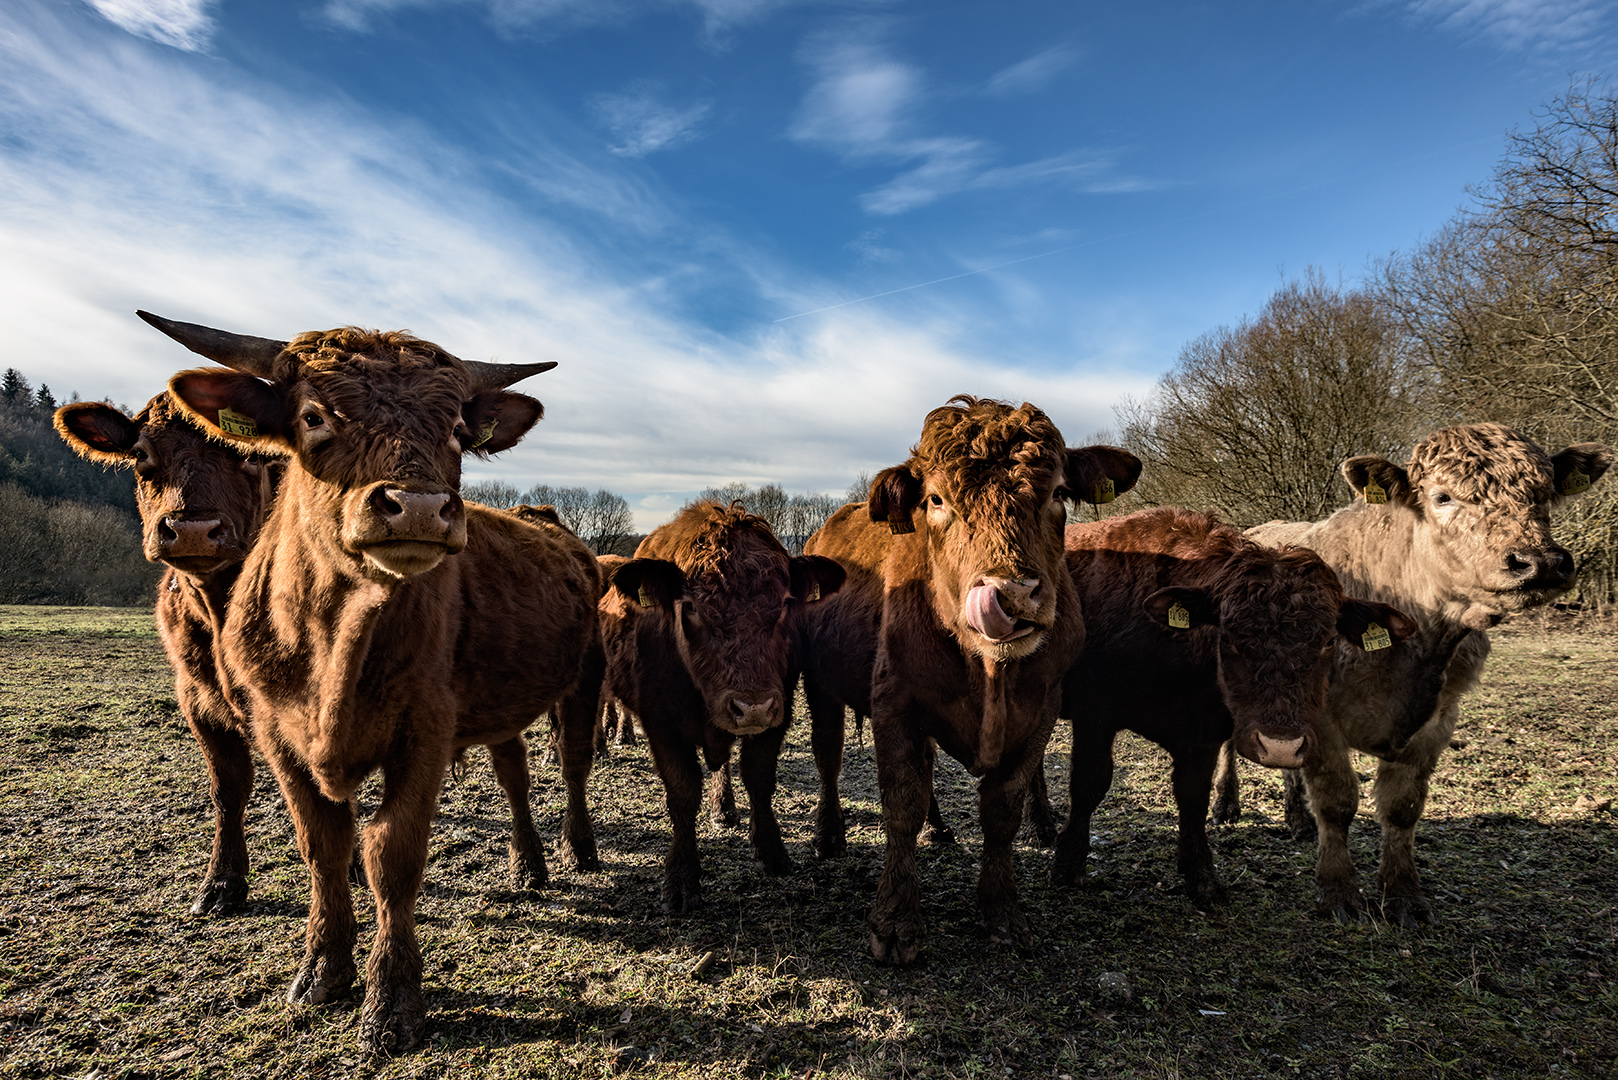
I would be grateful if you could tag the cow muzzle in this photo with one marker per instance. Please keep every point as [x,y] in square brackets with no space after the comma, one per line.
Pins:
[195,545]
[406,530]
[1278,753]
[1002,609]
[1551,570]
[752,715]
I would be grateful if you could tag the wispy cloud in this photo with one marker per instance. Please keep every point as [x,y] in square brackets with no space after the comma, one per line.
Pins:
[135,177]
[869,247]
[184,24]
[1033,74]
[540,16]
[643,120]
[1524,25]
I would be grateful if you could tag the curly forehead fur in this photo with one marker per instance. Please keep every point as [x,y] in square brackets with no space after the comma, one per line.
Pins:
[162,411]
[1282,594]
[726,545]
[978,445]
[1483,463]
[348,346]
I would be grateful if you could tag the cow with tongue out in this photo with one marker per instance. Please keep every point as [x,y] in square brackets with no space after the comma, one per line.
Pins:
[960,618]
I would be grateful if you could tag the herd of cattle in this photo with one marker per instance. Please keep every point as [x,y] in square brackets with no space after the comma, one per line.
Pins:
[331,598]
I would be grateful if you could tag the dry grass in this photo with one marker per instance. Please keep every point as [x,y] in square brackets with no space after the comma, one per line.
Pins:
[105,824]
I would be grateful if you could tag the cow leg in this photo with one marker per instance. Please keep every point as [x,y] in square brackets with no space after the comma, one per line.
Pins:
[904,771]
[721,793]
[759,756]
[396,838]
[676,761]
[1041,815]
[937,830]
[1334,796]
[577,850]
[1227,805]
[230,784]
[1000,805]
[826,740]
[325,831]
[624,729]
[1295,802]
[1193,772]
[1089,777]
[1401,796]
[553,738]
[527,853]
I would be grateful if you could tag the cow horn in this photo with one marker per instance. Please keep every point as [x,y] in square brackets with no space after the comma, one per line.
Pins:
[254,355]
[499,376]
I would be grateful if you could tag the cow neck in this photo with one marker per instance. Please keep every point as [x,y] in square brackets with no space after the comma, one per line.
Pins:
[205,596]
[992,724]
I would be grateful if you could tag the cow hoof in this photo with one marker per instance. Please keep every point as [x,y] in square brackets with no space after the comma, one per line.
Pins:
[392,1021]
[1066,871]
[577,848]
[1303,829]
[1044,833]
[220,896]
[321,979]
[1009,930]
[937,835]
[1208,895]
[1226,813]
[895,948]
[681,899]
[1346,905]
[1410,912]
[724,819]
[776,865]
[526,876]
[831,846]
[626,737]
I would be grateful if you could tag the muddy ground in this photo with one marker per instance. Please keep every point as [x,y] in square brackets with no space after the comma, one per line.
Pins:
[105,825]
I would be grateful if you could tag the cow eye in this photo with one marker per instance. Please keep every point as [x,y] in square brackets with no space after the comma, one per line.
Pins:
[1441,498]
[935,500]
[312,419]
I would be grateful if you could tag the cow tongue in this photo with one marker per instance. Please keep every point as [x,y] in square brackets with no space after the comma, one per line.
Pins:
[984,614]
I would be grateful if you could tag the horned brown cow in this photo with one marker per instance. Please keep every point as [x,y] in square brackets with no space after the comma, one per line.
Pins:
[380,623]
[1457,538]
[700,630]
[201,505]
[1195,635]
[974,621]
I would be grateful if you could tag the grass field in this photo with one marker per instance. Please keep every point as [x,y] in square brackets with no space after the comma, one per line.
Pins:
[105,825]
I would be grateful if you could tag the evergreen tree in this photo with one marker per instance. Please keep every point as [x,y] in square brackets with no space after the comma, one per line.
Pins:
[16,389]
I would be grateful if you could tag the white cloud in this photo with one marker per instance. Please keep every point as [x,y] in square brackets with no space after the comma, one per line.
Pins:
[1524,24]
[859,100]
[539,16]
[643,122]
[868,246]
[184,24]
[1033,74]
[135,178]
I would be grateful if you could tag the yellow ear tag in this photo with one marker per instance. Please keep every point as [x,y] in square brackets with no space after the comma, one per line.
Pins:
[1105,491]
[234,423]
[1576,481]
[485,432]
[899,528]
[814,593]
[645,598]
[1375,638]
[1374,492]
[1179,617]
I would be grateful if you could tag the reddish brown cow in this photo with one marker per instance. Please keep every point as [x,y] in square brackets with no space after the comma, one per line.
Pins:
[380,623]
[201,504]
[1197,635]
[978,623]
[700,627]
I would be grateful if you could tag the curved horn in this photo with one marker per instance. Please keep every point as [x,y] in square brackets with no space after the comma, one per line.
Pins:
[499,376]
[254,355]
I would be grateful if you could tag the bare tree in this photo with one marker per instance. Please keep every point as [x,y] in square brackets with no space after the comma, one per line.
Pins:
[793,518]
[491,493]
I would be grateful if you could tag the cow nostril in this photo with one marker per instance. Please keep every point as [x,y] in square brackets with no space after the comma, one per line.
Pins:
[165,531]
[1517,565]
[736,710]
[383,503]
[217,533]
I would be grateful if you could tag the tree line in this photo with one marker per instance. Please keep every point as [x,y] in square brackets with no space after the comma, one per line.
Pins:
[1508,312]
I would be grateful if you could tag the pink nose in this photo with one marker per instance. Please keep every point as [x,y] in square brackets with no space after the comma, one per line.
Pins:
[180,537]
[750,716]
[1280,753]
[413,515]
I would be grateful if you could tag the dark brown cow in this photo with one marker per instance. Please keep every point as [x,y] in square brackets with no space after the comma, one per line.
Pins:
[1195,633]
[1457,538]
[974,622]
[201,504]
[380,623]
[700,627]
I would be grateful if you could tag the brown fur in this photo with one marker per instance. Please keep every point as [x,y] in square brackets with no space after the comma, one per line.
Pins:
[698,630]
[981,500]
[1254,662]
[1463,539]
[380,623]
[183,479]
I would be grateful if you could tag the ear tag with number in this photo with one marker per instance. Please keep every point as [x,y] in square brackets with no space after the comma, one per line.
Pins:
[485,432]
[1179,617]
[646,598]
[1576,481]
[1375,492]
[899,528]
[234,423]
[1105,491]
[1375,638]
[814,593]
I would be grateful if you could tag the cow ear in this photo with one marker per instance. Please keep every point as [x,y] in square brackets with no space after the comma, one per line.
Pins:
[894,495]
[1377,480]
[97,432]
[236,408]
[1180,608]
[1370,626]
[497,420]
[815,577]
[650,583]
[1580,466]
[1099,474]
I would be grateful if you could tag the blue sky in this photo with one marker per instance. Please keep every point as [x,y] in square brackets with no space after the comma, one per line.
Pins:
[763,237]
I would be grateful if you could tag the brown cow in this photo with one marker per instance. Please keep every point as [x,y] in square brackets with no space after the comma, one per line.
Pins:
[700,630]
[380,623]
[201,504]
[974,621]
[1457,538]
[1195,633]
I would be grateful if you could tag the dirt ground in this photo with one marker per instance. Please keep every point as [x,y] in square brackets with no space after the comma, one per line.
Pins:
[105,825]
